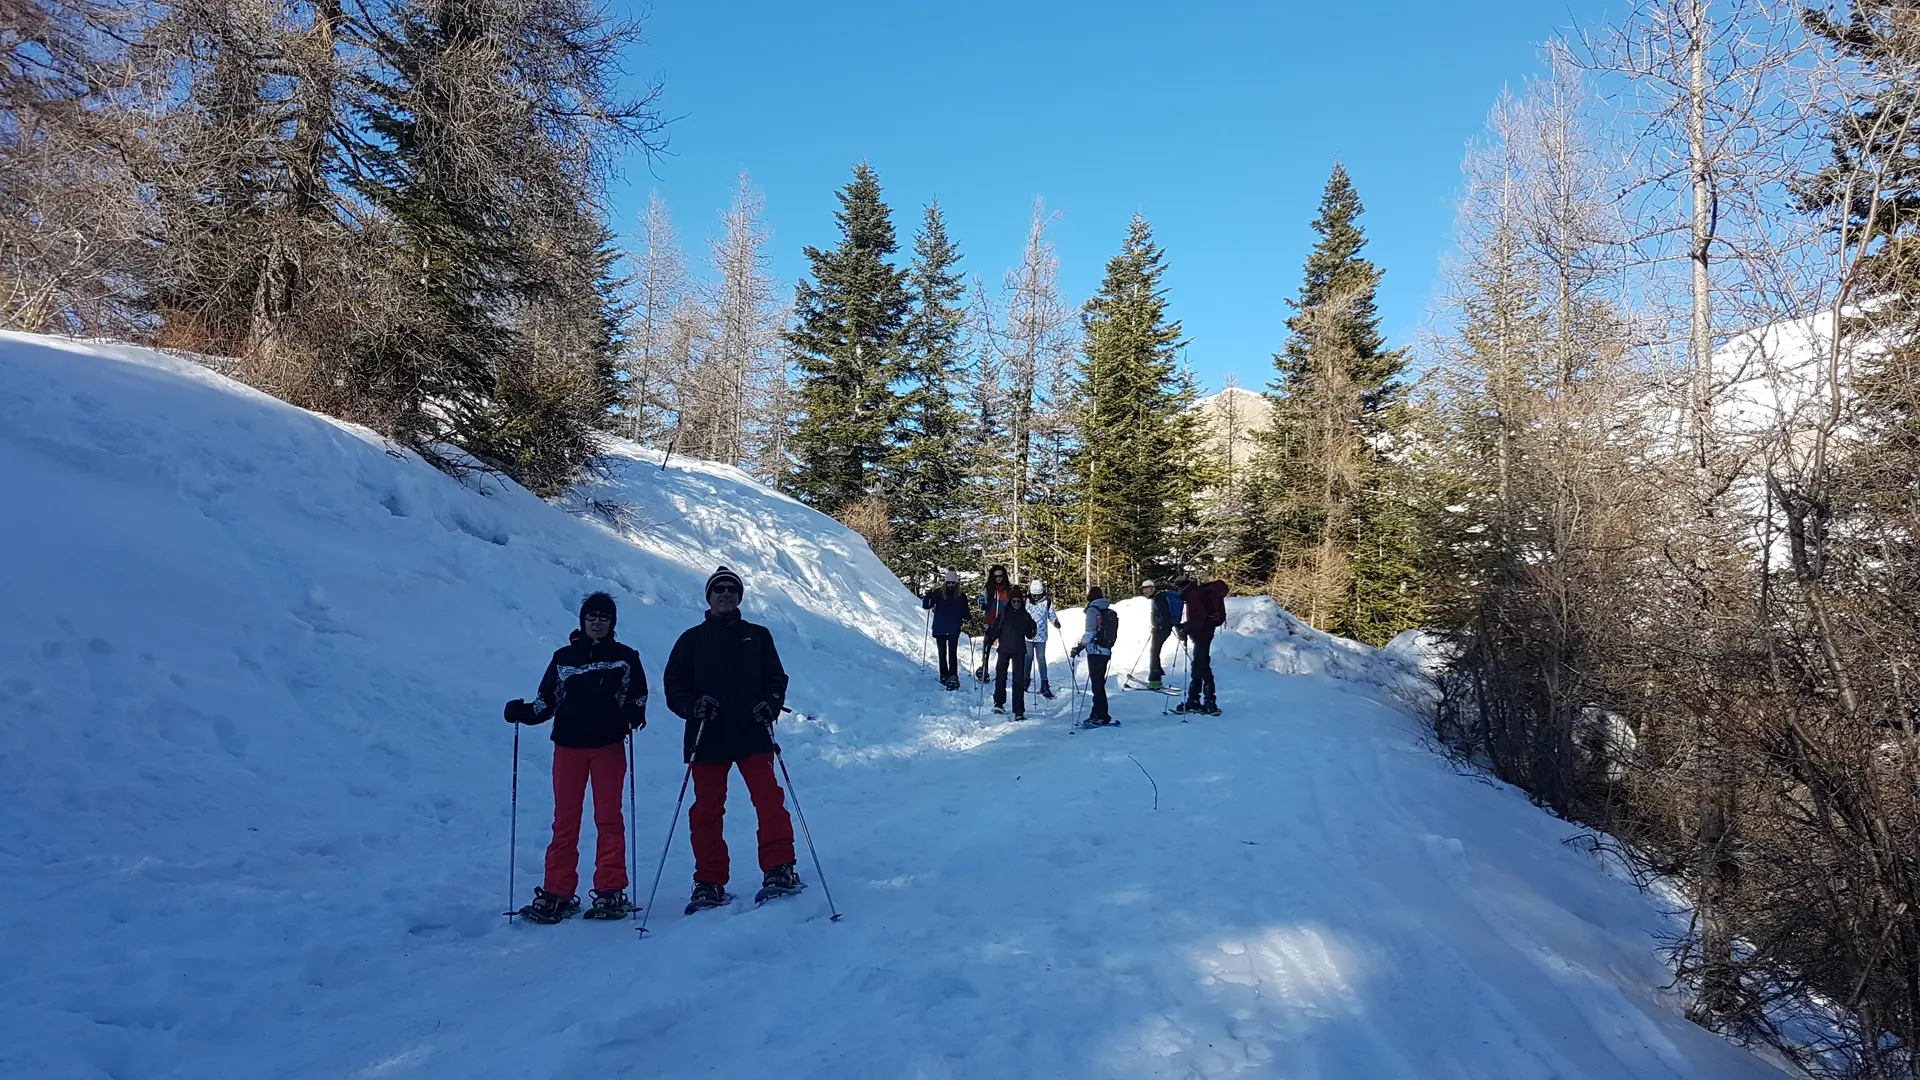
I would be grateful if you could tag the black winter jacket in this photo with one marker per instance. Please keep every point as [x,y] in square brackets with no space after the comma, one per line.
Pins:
[1017,629]
[733,662]
[593,692]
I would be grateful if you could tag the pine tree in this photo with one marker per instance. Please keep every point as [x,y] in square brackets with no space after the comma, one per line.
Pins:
[926,473]
[1333,533]
[1138,441]
[847,338]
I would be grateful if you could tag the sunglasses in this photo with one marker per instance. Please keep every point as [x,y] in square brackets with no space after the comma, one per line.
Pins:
[596,616]
[726,590]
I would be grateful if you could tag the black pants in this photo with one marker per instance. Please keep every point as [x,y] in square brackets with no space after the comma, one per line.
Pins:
[949,649]
[1017,664]
[1097,682]
[1201,676]
[1154,671]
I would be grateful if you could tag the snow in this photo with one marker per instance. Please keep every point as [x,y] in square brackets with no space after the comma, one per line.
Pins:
[255,790]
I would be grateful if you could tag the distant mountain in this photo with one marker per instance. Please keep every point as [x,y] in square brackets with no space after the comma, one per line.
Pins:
[1230,419]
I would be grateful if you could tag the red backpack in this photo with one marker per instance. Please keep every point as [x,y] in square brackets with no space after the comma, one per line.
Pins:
[1206,605]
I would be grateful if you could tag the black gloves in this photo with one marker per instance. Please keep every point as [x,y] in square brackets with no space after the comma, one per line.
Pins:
[705,709]
[764,713]
[637,718]
[519,712]
[1077,649]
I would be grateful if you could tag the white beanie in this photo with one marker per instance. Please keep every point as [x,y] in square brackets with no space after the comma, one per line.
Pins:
[953,577]
[1037,587]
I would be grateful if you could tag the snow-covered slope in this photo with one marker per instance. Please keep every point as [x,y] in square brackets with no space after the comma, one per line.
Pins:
[254,802]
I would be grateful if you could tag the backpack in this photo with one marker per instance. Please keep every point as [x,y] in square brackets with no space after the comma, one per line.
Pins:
[1216,603]
[1109,630]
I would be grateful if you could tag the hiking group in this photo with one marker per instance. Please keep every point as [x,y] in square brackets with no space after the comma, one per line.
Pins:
[724,679]
[1013,638]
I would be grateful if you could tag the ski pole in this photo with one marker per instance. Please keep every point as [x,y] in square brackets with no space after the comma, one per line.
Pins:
[1134,674]
[927,638]
[804,831]
[513,828]
[646,913]
[633,811]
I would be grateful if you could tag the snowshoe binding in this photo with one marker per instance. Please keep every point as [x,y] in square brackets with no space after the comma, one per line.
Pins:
[609,904]
[1186,707]
[548,909]
[1153,684]
[708,895]
[1210,709]
[779,881]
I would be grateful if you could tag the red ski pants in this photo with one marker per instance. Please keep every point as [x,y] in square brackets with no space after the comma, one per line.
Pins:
[710,807]
[607,766]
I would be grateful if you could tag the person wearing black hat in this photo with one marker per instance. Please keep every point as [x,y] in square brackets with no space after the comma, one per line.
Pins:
[595,692]
[1016,640]
[725,680]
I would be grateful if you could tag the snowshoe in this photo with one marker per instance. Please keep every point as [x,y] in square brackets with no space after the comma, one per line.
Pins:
[1211,709]
[1186,707]
[548,909]
[707,895]
[779,881]
[1001,709]
[1099,721]
[611,904]
[1153,684]
[1046,692]
[1019,716]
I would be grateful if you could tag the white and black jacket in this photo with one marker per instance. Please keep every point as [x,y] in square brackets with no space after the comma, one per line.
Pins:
[594,692]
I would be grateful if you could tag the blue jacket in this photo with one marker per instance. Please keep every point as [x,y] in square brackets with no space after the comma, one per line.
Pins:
[950,609]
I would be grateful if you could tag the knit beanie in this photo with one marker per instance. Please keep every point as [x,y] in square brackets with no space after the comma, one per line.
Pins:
[953,577]
[724,574]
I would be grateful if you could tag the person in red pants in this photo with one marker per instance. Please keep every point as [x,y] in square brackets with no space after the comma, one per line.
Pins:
[724,678]
[595,692]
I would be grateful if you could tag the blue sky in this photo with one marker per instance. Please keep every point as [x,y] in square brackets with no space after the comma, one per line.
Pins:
[1219,121]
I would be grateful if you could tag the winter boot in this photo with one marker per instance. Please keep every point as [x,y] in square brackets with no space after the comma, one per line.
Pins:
[610,904]
[1099,721]
[981,673]
[1188,707]
[999,708]
[1211,709]
[779,881]
[1046,691]
[1153,684]
[705,895]
[548,908]
[1019,716]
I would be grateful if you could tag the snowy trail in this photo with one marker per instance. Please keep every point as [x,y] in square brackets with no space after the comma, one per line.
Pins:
[253,803]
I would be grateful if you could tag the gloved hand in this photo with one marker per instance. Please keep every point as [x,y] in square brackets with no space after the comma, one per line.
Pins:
[706,709]
[1077,649]
[519,712]
[764,713]
[637,718]
[1182,631]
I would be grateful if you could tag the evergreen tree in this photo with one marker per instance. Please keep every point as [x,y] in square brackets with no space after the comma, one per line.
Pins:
[926,473]
[1332,532]
[1138,442]
[849,329]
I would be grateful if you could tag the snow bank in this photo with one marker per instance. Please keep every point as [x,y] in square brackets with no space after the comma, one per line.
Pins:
[254,787]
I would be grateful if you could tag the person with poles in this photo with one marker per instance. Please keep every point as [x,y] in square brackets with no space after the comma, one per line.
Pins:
[1016,642]
[992,603]
[725,680]
[1040,607]
[950,608]
[1164,606]
[1205,611]
[1103,629]
[595,692]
